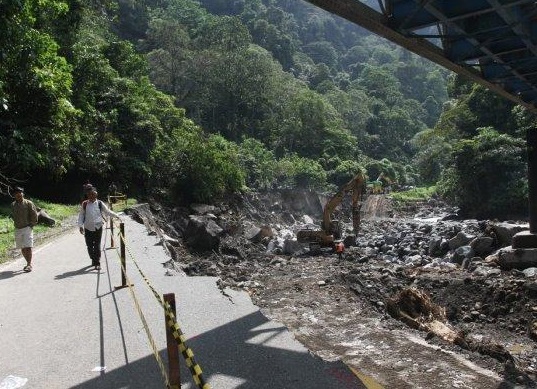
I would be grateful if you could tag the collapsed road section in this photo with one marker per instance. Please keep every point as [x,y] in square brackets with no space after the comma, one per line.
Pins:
[346,308]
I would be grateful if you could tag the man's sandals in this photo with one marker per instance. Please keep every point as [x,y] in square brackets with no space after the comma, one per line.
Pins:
[27,268]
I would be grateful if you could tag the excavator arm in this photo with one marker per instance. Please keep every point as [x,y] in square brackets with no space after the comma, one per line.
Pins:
[330,230]
[356,186]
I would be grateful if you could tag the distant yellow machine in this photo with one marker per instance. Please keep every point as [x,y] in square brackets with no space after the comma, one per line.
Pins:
[331,229]
[381,185]
[375,187]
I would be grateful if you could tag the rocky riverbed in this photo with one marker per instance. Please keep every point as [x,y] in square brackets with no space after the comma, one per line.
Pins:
[418,300]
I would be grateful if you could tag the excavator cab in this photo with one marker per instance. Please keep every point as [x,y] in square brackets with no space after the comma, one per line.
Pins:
[332,230]
[335,229]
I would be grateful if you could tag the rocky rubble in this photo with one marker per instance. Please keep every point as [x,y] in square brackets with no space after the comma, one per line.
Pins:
[249,243]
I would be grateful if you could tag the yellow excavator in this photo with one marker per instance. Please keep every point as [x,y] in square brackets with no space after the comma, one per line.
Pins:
[331,230]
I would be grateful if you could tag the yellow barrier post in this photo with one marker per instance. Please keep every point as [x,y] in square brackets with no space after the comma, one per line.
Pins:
[111,233]
[174,372]
[111,227]
[117,198]
[123,260]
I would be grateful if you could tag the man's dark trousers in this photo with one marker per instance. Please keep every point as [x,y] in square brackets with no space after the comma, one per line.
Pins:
[93,243]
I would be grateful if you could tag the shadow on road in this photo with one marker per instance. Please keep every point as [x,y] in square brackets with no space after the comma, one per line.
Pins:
[237,355]
[248,353]
[4,275]
[67,274]
[111,291]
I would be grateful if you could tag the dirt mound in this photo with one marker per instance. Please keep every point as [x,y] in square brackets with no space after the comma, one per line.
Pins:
[377,206]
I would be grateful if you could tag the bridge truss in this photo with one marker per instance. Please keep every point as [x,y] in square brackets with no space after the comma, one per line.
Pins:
[493,42]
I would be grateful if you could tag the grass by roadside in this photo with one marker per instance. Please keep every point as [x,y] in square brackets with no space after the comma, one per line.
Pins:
[64,214]
[407,200]
[414,195]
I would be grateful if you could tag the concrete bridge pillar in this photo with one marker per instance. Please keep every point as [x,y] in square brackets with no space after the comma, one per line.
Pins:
[528,239]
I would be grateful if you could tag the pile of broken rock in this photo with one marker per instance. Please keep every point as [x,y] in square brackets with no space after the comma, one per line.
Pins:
[458,281]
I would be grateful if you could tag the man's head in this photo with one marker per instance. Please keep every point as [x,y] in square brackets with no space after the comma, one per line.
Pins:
[92,194]
[18,192]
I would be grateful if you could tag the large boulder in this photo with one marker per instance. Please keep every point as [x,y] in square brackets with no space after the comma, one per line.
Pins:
[44,218]
[438,246]
[203,209]
[459,240]
[292,247]
[462,253]
[302,201]
[483,245]
[257,234]
[202,233]
[505,231]
[520,259]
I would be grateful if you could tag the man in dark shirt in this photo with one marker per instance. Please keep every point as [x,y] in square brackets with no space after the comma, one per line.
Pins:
[24,214]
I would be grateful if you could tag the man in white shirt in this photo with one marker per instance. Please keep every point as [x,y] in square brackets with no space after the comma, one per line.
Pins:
[90,222]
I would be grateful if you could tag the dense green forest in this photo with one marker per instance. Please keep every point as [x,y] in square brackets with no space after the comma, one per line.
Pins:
[192,100]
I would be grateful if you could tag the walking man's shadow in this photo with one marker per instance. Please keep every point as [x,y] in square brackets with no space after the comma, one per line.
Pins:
[67,274]
[4,275]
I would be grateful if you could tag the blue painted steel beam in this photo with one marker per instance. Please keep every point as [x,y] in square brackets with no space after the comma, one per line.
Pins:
[492,42]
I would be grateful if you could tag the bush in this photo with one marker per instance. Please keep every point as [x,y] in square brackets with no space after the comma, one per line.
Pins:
[383,167]
[294,171]
[258,163]
[212,169]
[414,194]
[487,176]
[344,172]
[196,168]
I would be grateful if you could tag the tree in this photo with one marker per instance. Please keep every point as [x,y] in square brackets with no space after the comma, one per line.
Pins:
[123,58]
[380,83]
[432,155]
[36,116]
[187,13]
[456,121]
[310,127]
[322,52]
[75,97]
[212,169]
[273,29]
[394,128]
[258,163]
[169,43]
[492,109]
[382,55]
[294,171]
[195,167]
[354,108]
[486,177]
[344,172]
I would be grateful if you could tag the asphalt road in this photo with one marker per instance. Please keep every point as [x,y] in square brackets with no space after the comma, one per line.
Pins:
[65,325]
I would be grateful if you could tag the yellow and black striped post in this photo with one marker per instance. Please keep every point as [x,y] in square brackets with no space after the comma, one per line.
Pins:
[174,372]
[188,354]
[123,261]
[122,254]
[111,232]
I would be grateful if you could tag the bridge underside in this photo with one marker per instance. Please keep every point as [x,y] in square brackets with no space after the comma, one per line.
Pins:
[493,42]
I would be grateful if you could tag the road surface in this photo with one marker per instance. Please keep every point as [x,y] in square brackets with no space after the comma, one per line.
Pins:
[65,325]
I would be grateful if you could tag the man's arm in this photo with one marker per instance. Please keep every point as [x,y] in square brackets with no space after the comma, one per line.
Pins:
[33,214]
[107,211]
[81,218]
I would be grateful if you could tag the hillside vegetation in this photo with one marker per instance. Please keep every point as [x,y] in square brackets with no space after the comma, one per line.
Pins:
[192,100]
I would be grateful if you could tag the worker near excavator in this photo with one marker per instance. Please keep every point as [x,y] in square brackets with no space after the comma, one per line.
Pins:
[340,248]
